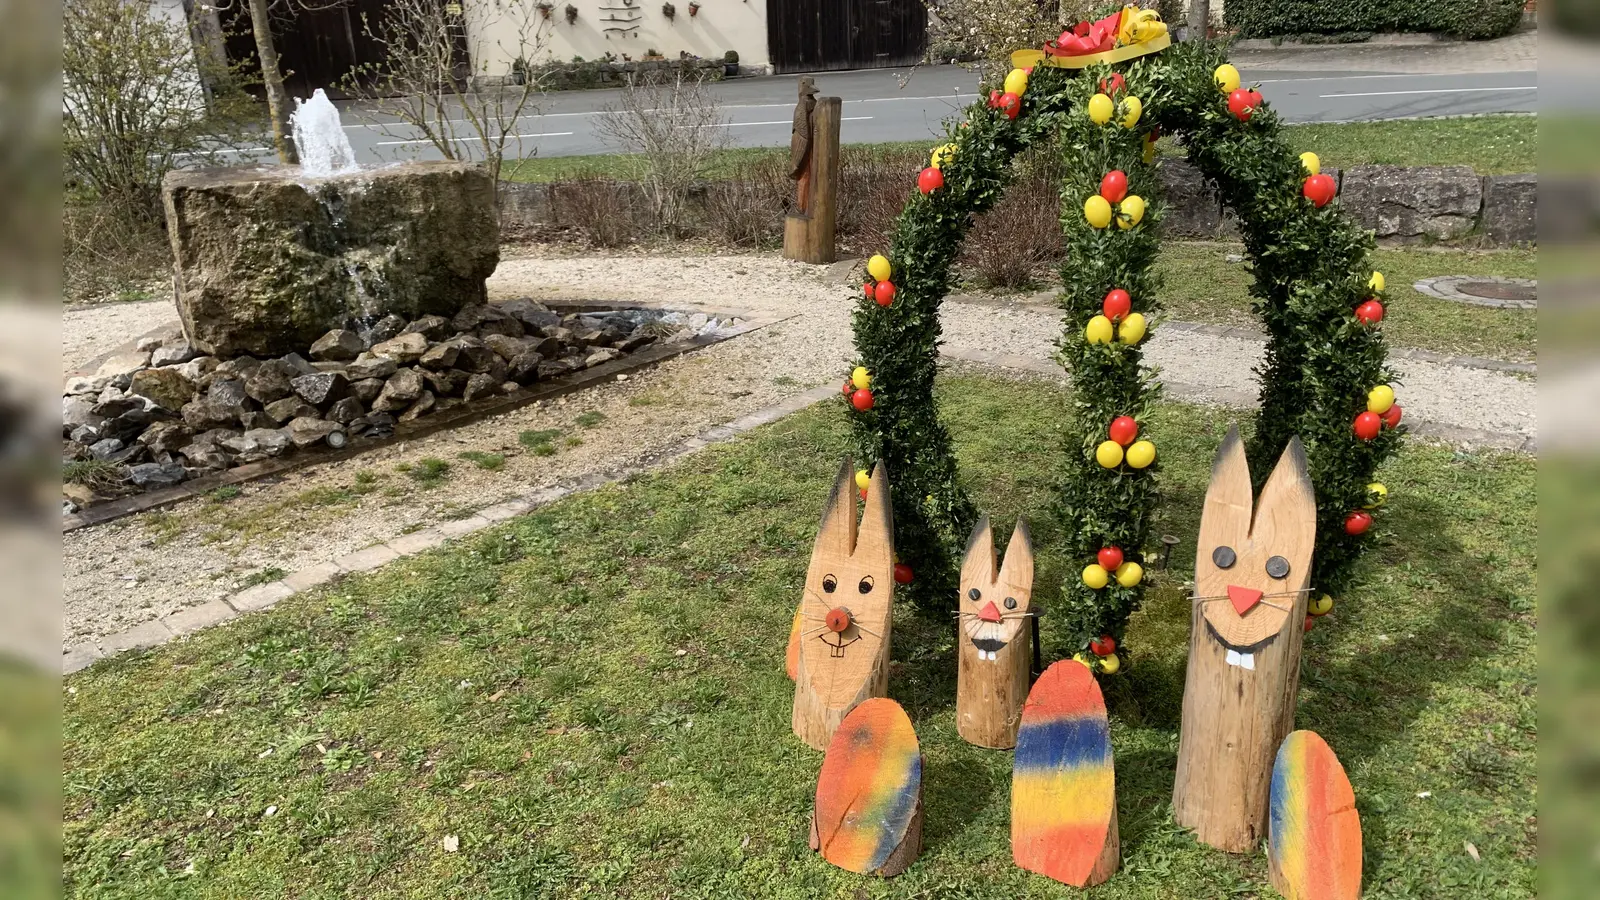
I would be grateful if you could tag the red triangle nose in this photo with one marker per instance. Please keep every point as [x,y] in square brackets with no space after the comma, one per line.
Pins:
[990,612]
[1243,598]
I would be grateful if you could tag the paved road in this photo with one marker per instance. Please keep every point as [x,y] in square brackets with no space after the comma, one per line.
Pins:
[885,105]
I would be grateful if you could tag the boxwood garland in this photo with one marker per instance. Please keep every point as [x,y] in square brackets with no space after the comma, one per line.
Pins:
[1311,271]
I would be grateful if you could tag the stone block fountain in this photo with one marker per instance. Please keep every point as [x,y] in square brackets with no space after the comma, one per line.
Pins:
[268,259]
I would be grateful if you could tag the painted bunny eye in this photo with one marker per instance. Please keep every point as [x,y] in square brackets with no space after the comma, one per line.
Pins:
[1224,557]
[1278,567]
[1011,603]
[829,583]
[974,595]
[865,586]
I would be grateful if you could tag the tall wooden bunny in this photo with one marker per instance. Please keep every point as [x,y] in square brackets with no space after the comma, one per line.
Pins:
[993,640]
[839,642]
[1252,570]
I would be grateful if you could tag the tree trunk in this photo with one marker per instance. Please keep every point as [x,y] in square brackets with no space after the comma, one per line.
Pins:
[272,79]
[1199,19]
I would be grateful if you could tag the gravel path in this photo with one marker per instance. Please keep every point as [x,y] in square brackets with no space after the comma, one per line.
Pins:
[154,564]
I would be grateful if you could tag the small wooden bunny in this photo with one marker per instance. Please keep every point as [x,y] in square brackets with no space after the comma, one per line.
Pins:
[993,638]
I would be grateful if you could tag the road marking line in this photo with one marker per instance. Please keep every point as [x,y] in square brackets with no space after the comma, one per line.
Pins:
[1430,91]
[774,122]
[1396,75]
[427,141]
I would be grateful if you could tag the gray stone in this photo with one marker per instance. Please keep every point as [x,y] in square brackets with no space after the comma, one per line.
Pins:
[174,354]
[306,430]
[166,437]
[369,366]
[404,349]
[205,455]
[227,393]
[417,410]
[534,316]
[338,345]
[237,367]
[85,434]
[603,355]
[265,268]
[258,443]
[281,411]
[1426,202]
[548,347]
[79,385]
[272,380]
[105,448]
[296,365]
[434,328]
[148,343]
[385,328]
[131,423]
[441,356]
[198,368]
[508,348]
[446,383]
[509,387]
[322,388]
[480,386]
[376,424]
[554,368]
[124,363]
[595,337]
[636,340]
[203,414]
[166,388]
[252,419]
[113,402]
[484,319]
[76,411]
[346,411]
[157,475]
[367,389]
[474,355]
[525,368]
[562,335]
[1510,209]
[401,390]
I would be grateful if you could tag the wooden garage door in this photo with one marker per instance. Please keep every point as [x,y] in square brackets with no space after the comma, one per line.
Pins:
[818,35]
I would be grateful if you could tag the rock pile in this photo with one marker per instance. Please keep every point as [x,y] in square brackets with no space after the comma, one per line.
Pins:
[167,413]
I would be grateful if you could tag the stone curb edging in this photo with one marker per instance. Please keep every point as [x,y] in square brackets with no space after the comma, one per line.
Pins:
[265,596]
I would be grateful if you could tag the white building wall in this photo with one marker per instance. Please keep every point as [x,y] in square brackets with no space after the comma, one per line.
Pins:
[720,26]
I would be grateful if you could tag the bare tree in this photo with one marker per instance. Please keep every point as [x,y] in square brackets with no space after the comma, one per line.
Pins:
[272,81]
[1199,19]
[673,123]
[427,83]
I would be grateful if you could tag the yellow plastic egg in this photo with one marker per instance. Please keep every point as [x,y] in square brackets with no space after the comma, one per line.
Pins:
[1376,281]
[1379,399]
[1227,78]
[1130,574]
[860,378]
[1108,455]
[863,479]
[1098,331]
[1097,210]
[1101,109]
[1310,162]
[1132,108]
[1132,329]
[878,267]
[1141,454]
[1016,82]
[1083,658]
[1320,606]
[1377,495]
[941,155]
[1095,576]
[1110,664]
[1130,211]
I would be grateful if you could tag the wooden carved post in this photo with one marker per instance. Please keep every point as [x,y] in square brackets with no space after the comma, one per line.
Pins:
[993,638]
[808,232]
[841,633]
[1251,576]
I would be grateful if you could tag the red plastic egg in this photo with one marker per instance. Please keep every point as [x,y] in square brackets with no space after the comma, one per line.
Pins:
[1010,104]
[1319,189]
[1109,559]
[1114,186]
[884,292]
[1310,621]
[1368,425]
[1357,522]
[1239,104]
[930,180]
[1104,645]
[1392,417]
[1117,304]
[1123,430]
[862,400]
[1111,86]
[994,99]
[1370,312]
[849,388]
[902,573]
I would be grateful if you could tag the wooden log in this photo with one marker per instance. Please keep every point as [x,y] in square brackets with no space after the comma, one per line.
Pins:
[1251,577]
[810,237]
[993,637]
[1314,840]
[1063,783]
[846,609]
[867,817]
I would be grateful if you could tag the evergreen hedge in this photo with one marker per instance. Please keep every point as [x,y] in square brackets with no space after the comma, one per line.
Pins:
[1469,19]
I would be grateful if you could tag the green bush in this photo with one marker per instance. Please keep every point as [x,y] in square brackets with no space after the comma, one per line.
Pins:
[1470,19]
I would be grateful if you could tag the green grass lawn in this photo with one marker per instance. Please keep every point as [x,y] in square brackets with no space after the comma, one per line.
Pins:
[590,699]
[1489,144]
[1202,286]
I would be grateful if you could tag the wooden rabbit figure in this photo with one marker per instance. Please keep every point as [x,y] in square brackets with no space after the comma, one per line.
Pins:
[1251,583]
[993,640]
[839,642]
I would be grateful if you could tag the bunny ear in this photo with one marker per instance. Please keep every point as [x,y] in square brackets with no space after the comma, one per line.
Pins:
[877,524]
[1225,518]
[978,565]
[1287,512]
[1018,567]
[836,536]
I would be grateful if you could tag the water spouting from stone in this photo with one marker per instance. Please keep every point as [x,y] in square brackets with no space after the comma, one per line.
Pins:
[319,137]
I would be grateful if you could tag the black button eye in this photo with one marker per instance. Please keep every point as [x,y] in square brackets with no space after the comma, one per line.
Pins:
[865,586]
[974,595]
[1278,567]
[829,583]
[1011,603]
[1224,557]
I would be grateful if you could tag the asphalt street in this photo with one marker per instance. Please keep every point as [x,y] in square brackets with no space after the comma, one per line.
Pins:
[892,105]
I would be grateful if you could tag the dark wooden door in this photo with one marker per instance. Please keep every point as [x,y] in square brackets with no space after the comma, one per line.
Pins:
[819,35]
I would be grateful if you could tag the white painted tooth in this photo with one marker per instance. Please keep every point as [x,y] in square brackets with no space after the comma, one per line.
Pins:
[1248,660]
[1233,658]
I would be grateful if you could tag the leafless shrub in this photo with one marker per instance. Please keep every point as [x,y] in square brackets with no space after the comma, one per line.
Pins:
[1007,245]
[108,254]
[747,208]
[874,186]
[673,125]
[599,207]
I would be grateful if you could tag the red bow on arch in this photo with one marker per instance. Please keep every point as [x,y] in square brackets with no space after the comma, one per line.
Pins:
[1087,37]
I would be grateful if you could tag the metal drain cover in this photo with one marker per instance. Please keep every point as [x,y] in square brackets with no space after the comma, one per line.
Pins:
[1482,290]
